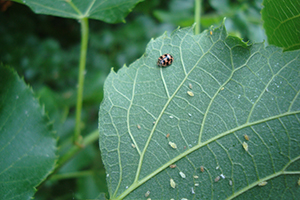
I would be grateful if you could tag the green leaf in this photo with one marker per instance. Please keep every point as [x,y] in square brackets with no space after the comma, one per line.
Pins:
[238,90]
[110,11]
[27,143]
[281,22]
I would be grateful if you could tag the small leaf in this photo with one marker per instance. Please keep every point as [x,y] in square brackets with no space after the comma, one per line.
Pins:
[281,22]
[110,11]
[238,90]
[27,144]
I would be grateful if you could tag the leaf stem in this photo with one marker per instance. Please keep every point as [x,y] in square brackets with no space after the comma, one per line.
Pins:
[79,174]
[197,16]
[83,51]
[90,138]
[93,136]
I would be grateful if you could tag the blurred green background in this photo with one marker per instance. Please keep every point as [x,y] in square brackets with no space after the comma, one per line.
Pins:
[45,51]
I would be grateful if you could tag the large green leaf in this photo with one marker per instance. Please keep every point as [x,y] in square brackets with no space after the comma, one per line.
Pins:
[110,11]
[282,22]
[238,90]
[27,144]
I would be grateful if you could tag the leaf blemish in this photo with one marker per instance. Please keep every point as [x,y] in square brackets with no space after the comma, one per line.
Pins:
[245,146]
[217,178]
[173,145]
[222,176]
[182,175]
[172,166]
[172,183]
[147,193]
[246,137]
[190,93]
[263,183]
[202,169]
[192,190]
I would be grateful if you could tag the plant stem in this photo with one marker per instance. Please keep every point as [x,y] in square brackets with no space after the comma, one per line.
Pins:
[83,51]
[90,138]
[56,177]
[197,16]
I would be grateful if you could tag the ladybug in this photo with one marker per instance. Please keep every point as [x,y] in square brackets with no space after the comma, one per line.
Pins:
[165,60]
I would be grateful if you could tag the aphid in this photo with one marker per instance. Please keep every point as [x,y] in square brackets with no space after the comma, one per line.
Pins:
[190,93]
[263,183]
[190,86]
[196,184]
[245,146]
[133,145]
[172,183]
[210,32]
[182,175]
[246,137]
[217,167]
[147,193]
[222,176]
[173,145]
[222,88]
[168,135]
[172,166]
[196,177]
[217,178]
[165,60]
[171,117]
[192,190]
[230,182]
[190,114]
[138,126]
[202,169]
[299,181]
[153,122]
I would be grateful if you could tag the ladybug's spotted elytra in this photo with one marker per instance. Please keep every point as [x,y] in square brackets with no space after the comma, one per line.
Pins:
[165,60]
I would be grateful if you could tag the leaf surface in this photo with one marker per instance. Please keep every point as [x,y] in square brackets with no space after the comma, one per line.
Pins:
[281,22]
[110,11]
[27,144]
[237,90]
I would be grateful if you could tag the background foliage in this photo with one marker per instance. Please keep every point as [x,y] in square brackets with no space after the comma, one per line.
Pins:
[44,50]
